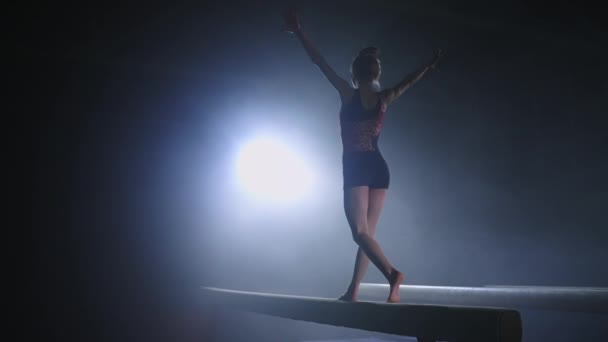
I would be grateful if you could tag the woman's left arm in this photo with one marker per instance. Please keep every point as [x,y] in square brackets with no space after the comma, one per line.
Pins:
[391,94]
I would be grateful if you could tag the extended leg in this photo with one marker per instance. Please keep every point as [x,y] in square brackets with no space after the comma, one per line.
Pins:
[356,207]
[375,203]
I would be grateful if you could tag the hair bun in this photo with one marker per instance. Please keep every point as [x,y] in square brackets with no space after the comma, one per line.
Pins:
[370,51]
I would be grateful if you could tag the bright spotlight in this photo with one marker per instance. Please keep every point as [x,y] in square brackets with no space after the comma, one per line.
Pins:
[269,170]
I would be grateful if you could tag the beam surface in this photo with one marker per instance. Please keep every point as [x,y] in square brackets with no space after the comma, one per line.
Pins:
[569,299]
[426,322]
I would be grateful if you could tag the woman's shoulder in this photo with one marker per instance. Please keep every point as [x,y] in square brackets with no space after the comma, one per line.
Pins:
[347,95]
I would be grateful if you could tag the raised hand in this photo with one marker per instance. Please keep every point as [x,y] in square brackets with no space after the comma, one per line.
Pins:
[438,55]
[292,22]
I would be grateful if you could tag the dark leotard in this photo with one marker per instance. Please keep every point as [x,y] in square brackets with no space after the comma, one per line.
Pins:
[362,162]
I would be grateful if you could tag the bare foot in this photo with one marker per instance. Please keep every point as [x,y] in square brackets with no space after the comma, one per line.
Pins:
[396,280]
[349,296]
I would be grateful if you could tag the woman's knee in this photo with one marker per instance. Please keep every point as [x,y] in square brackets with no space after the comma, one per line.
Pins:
[360,235]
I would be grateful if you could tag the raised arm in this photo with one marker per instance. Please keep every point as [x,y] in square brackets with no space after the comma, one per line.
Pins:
[292,25]
[391,94]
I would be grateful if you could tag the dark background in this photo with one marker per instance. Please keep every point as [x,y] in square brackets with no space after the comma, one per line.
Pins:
[498,162]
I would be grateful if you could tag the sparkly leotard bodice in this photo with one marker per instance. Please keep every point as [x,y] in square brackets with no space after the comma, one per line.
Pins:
[359,127]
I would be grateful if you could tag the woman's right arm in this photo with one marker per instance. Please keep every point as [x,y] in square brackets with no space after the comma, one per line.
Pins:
[293,25]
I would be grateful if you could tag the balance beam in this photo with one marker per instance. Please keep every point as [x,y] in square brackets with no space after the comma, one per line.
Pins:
[566,299]
[425,322]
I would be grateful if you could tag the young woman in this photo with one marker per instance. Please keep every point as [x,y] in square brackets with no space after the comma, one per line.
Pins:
[365,172]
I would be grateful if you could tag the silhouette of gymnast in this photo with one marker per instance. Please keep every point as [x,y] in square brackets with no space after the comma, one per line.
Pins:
[365,172]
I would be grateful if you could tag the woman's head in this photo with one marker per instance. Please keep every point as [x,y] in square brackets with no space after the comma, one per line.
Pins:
[366,66]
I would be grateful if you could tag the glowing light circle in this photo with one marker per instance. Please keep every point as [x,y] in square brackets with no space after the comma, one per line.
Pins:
[269,170]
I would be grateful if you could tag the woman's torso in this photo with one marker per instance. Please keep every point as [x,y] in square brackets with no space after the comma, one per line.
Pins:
[360,127]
